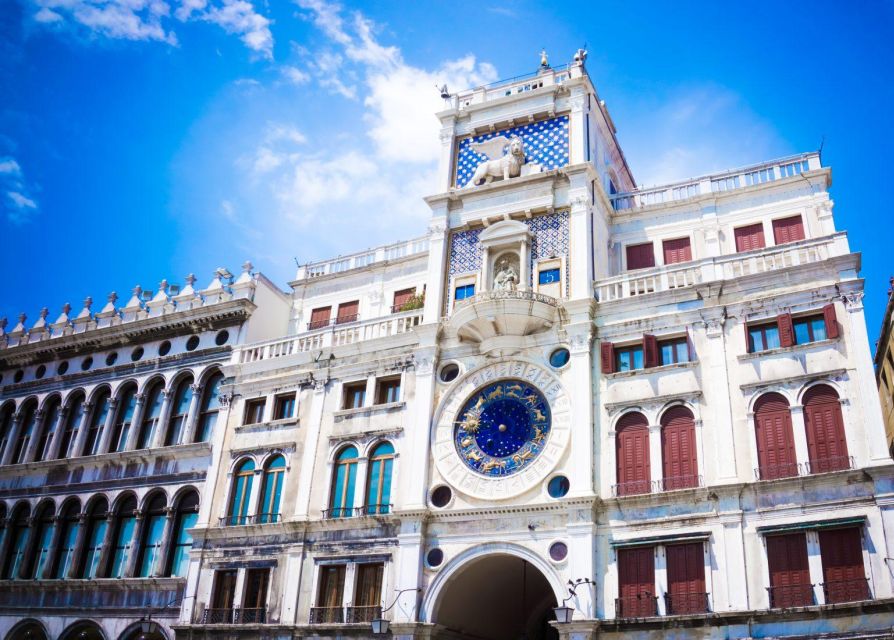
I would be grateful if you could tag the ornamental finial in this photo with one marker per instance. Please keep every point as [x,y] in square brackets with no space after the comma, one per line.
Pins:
[544,59]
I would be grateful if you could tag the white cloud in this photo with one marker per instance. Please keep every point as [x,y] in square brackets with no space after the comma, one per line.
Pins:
[239,17]
[295,75]
[18,205]
[20,201]
[9,165]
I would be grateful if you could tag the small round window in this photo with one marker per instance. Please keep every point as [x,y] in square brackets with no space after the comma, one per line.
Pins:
[441,496]
[192,343]
[164,348]
[449,372]
[62,369]
[86,363]
[136,354]
[434,557]
[41,372]
[559,358]
[558,486]
[18,376]
[221,338]
[558,551]
[112,358]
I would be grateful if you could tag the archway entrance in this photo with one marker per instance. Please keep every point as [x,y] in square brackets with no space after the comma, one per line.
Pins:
[497,597]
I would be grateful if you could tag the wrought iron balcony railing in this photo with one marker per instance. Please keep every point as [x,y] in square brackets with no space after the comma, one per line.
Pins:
[686,603]
[642,487]
[354,512]
[237,615]
[827,465]
[260,518]
[791,595]
[362,613]
[812,467]
[643,605]
[327,615]
[852,590]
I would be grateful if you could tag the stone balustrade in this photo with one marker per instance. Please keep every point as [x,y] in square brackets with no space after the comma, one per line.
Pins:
[361,259]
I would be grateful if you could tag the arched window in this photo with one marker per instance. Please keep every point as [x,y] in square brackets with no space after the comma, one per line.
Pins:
[341,505]
[122,537]
[678,450]
[127,404]
[18,538]
[98,416]
[241,495]
[6,414]
[68,537]
[151,413]
[826,443]
[632,450]
[209,408]
[47,426]
[775,441]
[27,630]
[42,547]
[181,541]
[72,425]
[84,630]
[2,525]
[268,511]
[153,530]
[378,486]
[97,523]
[26,431]
[179,411]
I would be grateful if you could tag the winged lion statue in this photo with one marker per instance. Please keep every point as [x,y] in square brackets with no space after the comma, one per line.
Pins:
[500,165]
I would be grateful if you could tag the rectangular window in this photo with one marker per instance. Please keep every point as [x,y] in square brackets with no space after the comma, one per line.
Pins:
[636,583]
[254,600]
[763,337]
[628,358]
[368,593]
[348,312]
[673,351]
[284,406]
[223,593]
[844,578]
[789,572]
[388,390]
[809,329]
[640,256]
[401,298]
[254,411]
[677,250]
[355,395]
[549,276]
[464,291]
[686,579]
[750,237]
[788,230]
[330,595]
[319,318]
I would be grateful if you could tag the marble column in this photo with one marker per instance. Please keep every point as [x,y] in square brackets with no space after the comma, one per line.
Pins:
[58,431]
[136,422]
[192,416]
[105,436]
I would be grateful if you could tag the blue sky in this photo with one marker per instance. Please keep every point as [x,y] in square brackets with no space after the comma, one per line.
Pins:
[147,139]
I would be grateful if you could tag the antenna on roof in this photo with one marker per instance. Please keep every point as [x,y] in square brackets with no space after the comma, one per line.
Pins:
[822,144]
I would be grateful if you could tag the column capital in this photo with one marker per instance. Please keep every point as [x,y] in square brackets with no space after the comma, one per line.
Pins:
[197,387]
[853,300]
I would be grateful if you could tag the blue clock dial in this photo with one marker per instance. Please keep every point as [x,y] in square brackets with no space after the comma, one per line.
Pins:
[502,428]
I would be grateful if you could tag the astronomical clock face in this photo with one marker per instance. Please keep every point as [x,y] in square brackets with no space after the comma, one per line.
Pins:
[502,428]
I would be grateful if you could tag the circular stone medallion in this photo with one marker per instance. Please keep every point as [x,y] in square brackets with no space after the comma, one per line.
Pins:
[502,428]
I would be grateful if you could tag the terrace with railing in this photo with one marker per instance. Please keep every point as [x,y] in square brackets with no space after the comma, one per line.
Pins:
[715,269]
[385,253]
[717,182]
[543,78]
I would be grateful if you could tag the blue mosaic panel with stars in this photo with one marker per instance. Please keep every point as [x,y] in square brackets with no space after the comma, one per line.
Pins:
[546,143]
[502,428]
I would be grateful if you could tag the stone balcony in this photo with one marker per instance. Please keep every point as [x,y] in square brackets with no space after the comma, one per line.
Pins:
[498,319]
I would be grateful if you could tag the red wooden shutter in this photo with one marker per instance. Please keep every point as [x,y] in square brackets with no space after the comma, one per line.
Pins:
[831,320]
[826,443]
[650,351]
[788,230]
[402,297]
[843,575]
[634,471]
[775,440]
[320,317]
[607,356]
[679,458]
[640,256]
[750,237]
[789,571]
[686,578]
[636,582]
[786,330]
[347,311]
[677,250]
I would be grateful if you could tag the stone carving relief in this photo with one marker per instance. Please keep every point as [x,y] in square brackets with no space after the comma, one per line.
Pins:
[506,166]
[507,273]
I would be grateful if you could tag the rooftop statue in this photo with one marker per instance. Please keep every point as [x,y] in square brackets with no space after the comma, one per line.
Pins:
[506,166]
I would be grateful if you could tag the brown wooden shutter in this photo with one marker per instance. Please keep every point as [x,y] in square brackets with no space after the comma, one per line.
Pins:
[402,297]
[347,311]
[843,575]
[788,230]
[607,356]
[636,582]
[632,454]
[826,442]
[789,571]
[750,237]
[686,578]
[677,250]
[320,317]
[786,330]
[640,256]
[650,351]
[678,450]
[775,440]
[831,319]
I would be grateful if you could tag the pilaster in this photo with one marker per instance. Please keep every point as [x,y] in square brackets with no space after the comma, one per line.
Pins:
[311,444]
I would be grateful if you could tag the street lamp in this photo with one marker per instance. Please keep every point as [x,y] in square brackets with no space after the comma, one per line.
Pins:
[147,627]
[564,613]
[380,624]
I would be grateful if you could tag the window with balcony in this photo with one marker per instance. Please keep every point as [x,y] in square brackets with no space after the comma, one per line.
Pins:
[775,440]
[181,542]
[678,449]
[284,406]
[632,455]
[151,414]
[348,312]
[344,477]
[223,596]
[254,597]
[676,250]
[241,493]
[47,428]
[97,421]
[271,495]
[254,411]
[354,395]
[378,489]
[826,441]
[640,256]
[367,593]
[319,318]
[209,407]
[844,576]
[686,592]
[179,412]
[97,523]
[330,595]
[789,571]
[401,298]
[127,403]
[749,237]
[388,390]
[789,229]
[636,583]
